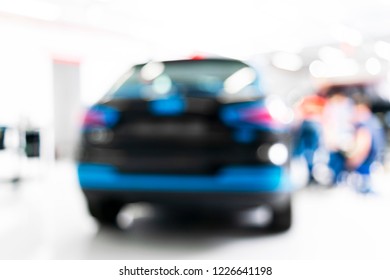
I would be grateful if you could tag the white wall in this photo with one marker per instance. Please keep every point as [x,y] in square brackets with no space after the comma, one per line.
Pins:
[27,50]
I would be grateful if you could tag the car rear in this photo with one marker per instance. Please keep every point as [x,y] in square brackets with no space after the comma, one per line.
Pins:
[188,133]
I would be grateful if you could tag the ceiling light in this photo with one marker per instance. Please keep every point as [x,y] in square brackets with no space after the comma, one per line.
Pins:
[373,66]
[287,61]
[347,34]
[382,49]
[343,68]
[330,54]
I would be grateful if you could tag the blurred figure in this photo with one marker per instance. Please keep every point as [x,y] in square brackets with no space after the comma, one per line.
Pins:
[337,121]
[354,138]
[369,143]
[309,113]
[338,132]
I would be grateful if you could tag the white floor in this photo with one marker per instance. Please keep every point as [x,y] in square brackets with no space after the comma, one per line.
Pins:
[46,218]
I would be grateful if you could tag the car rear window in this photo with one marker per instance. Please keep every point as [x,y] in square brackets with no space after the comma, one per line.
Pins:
[200,78]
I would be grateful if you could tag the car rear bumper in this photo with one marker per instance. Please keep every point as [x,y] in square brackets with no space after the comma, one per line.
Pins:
[233,179]
[215,201]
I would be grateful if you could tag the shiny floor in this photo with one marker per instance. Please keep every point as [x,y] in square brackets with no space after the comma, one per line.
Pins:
[45,217]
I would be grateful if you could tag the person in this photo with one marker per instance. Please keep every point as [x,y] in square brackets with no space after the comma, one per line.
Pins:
[368,144]
[309,112]
[338,132]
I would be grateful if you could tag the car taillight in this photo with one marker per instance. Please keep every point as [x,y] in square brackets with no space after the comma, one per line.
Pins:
[100,116]
[197,57]
[256,116]
[253,114]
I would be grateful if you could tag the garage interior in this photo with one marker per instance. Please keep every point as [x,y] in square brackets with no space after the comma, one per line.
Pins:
[59,57]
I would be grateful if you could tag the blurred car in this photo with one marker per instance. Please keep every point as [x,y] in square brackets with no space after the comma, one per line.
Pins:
[191,134]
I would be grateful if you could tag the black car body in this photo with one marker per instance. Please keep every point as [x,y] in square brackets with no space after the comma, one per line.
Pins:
[186,133]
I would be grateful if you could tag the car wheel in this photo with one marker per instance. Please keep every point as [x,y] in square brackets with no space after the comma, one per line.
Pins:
[281,217]
[105,212]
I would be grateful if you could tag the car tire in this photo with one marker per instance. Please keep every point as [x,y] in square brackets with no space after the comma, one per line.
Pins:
[105,212]
[281,217]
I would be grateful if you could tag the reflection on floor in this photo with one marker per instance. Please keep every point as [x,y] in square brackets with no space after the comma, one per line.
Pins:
[46,218]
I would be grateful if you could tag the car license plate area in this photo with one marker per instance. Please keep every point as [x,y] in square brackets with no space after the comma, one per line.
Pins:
[167,129]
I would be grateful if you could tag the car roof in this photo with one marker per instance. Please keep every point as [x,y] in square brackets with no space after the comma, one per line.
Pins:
[195,60]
